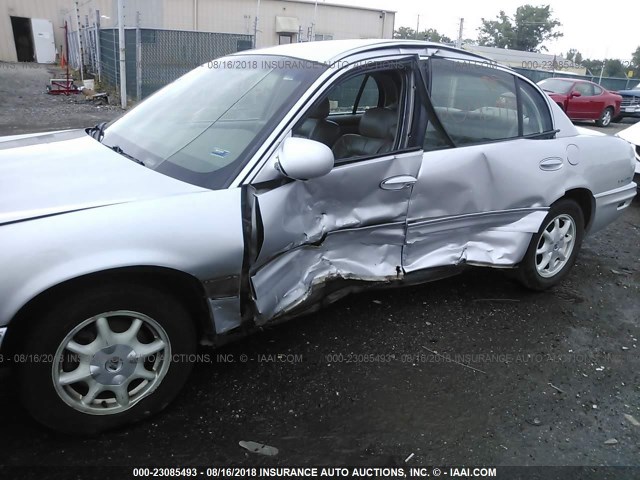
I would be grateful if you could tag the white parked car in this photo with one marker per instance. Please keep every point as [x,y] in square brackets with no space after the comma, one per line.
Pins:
[632,135]
[263,184]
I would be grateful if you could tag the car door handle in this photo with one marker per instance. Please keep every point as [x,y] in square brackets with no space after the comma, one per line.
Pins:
[551,163]
[398,183]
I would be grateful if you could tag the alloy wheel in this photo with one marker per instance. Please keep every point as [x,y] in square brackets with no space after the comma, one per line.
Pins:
[555,245]
[110,362]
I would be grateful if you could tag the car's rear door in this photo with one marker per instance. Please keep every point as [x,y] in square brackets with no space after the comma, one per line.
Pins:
[490,165]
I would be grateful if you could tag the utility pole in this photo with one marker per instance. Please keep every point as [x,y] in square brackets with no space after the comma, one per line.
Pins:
[98,53]
[418,26]
[604,62]
[80,49]
[459,42]
[138,58]
[122,49]
[255,26]
[313,25]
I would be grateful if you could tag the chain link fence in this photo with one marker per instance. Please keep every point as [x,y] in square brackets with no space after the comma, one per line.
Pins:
[154,58]
[610,83]
[84,50]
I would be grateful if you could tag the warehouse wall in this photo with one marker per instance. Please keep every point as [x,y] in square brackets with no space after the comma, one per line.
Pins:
[55,10]
[224,16]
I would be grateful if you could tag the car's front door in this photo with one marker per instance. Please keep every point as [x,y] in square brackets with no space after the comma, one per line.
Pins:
[488,169]
[583,106]
[347,228]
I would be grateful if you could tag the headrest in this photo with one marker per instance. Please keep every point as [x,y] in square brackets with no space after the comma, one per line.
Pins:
[321,110]
[379,123]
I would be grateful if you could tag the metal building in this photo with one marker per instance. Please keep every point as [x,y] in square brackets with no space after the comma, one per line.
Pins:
[32,30]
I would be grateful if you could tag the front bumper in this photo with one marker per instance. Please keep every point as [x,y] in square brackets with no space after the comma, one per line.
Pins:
[630,111]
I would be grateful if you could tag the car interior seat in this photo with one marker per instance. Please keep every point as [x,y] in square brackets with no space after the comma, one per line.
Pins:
[377,131]
[317,127]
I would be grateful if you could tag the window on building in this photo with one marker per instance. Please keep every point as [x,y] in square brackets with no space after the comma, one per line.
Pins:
[323,36]
[284,39]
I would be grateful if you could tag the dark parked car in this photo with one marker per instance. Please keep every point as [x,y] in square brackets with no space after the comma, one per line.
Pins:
[630,106]
[583,100]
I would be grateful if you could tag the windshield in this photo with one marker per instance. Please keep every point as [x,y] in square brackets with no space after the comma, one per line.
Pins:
[555,85]
[203,127]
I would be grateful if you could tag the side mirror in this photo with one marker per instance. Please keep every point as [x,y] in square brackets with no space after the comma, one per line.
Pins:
[302,159]
[575,93]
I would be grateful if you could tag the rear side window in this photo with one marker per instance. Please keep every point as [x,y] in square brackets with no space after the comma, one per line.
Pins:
[536,117]
[475,103]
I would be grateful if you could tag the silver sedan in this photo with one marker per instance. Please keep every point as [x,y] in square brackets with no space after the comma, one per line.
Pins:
[264,184]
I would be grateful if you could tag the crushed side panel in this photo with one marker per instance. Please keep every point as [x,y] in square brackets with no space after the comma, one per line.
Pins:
[497,239]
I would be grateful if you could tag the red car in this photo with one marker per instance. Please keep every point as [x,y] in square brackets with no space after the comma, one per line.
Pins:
[583,100]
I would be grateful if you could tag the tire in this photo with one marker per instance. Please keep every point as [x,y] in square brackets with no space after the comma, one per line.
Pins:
[618,119]
[87,335]
[605,117]
[532,271]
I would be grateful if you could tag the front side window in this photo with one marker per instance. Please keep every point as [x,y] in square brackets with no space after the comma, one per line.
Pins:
[203,127]
[585,89]
[474,103]
[354,95]
[360,116]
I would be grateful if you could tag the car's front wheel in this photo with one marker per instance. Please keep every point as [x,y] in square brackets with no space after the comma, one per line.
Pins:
[108,357]
[553,250]
[605,117]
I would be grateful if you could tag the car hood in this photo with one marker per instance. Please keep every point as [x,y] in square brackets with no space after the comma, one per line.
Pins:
[635,92]
[631,134]
[58,172]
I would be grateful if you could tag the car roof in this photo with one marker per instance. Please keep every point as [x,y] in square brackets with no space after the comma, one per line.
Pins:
[572,80]
[328,51]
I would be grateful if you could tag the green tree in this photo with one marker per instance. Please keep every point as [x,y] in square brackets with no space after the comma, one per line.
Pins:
[404,32]
[593,66]
[430,34]
[635,60]
[614,68]
[574,56]
[529,28]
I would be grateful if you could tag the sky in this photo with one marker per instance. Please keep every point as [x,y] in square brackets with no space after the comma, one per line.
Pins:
[598,30]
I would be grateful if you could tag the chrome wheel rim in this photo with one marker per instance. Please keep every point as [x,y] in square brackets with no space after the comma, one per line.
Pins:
[606,118]
[110,362]
[555,245]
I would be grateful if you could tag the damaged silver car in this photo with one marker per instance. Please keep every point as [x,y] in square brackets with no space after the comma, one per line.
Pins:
[264,184]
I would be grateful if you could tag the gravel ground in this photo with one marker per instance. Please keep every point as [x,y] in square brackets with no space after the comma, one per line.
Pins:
[553,376]
[26,107]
